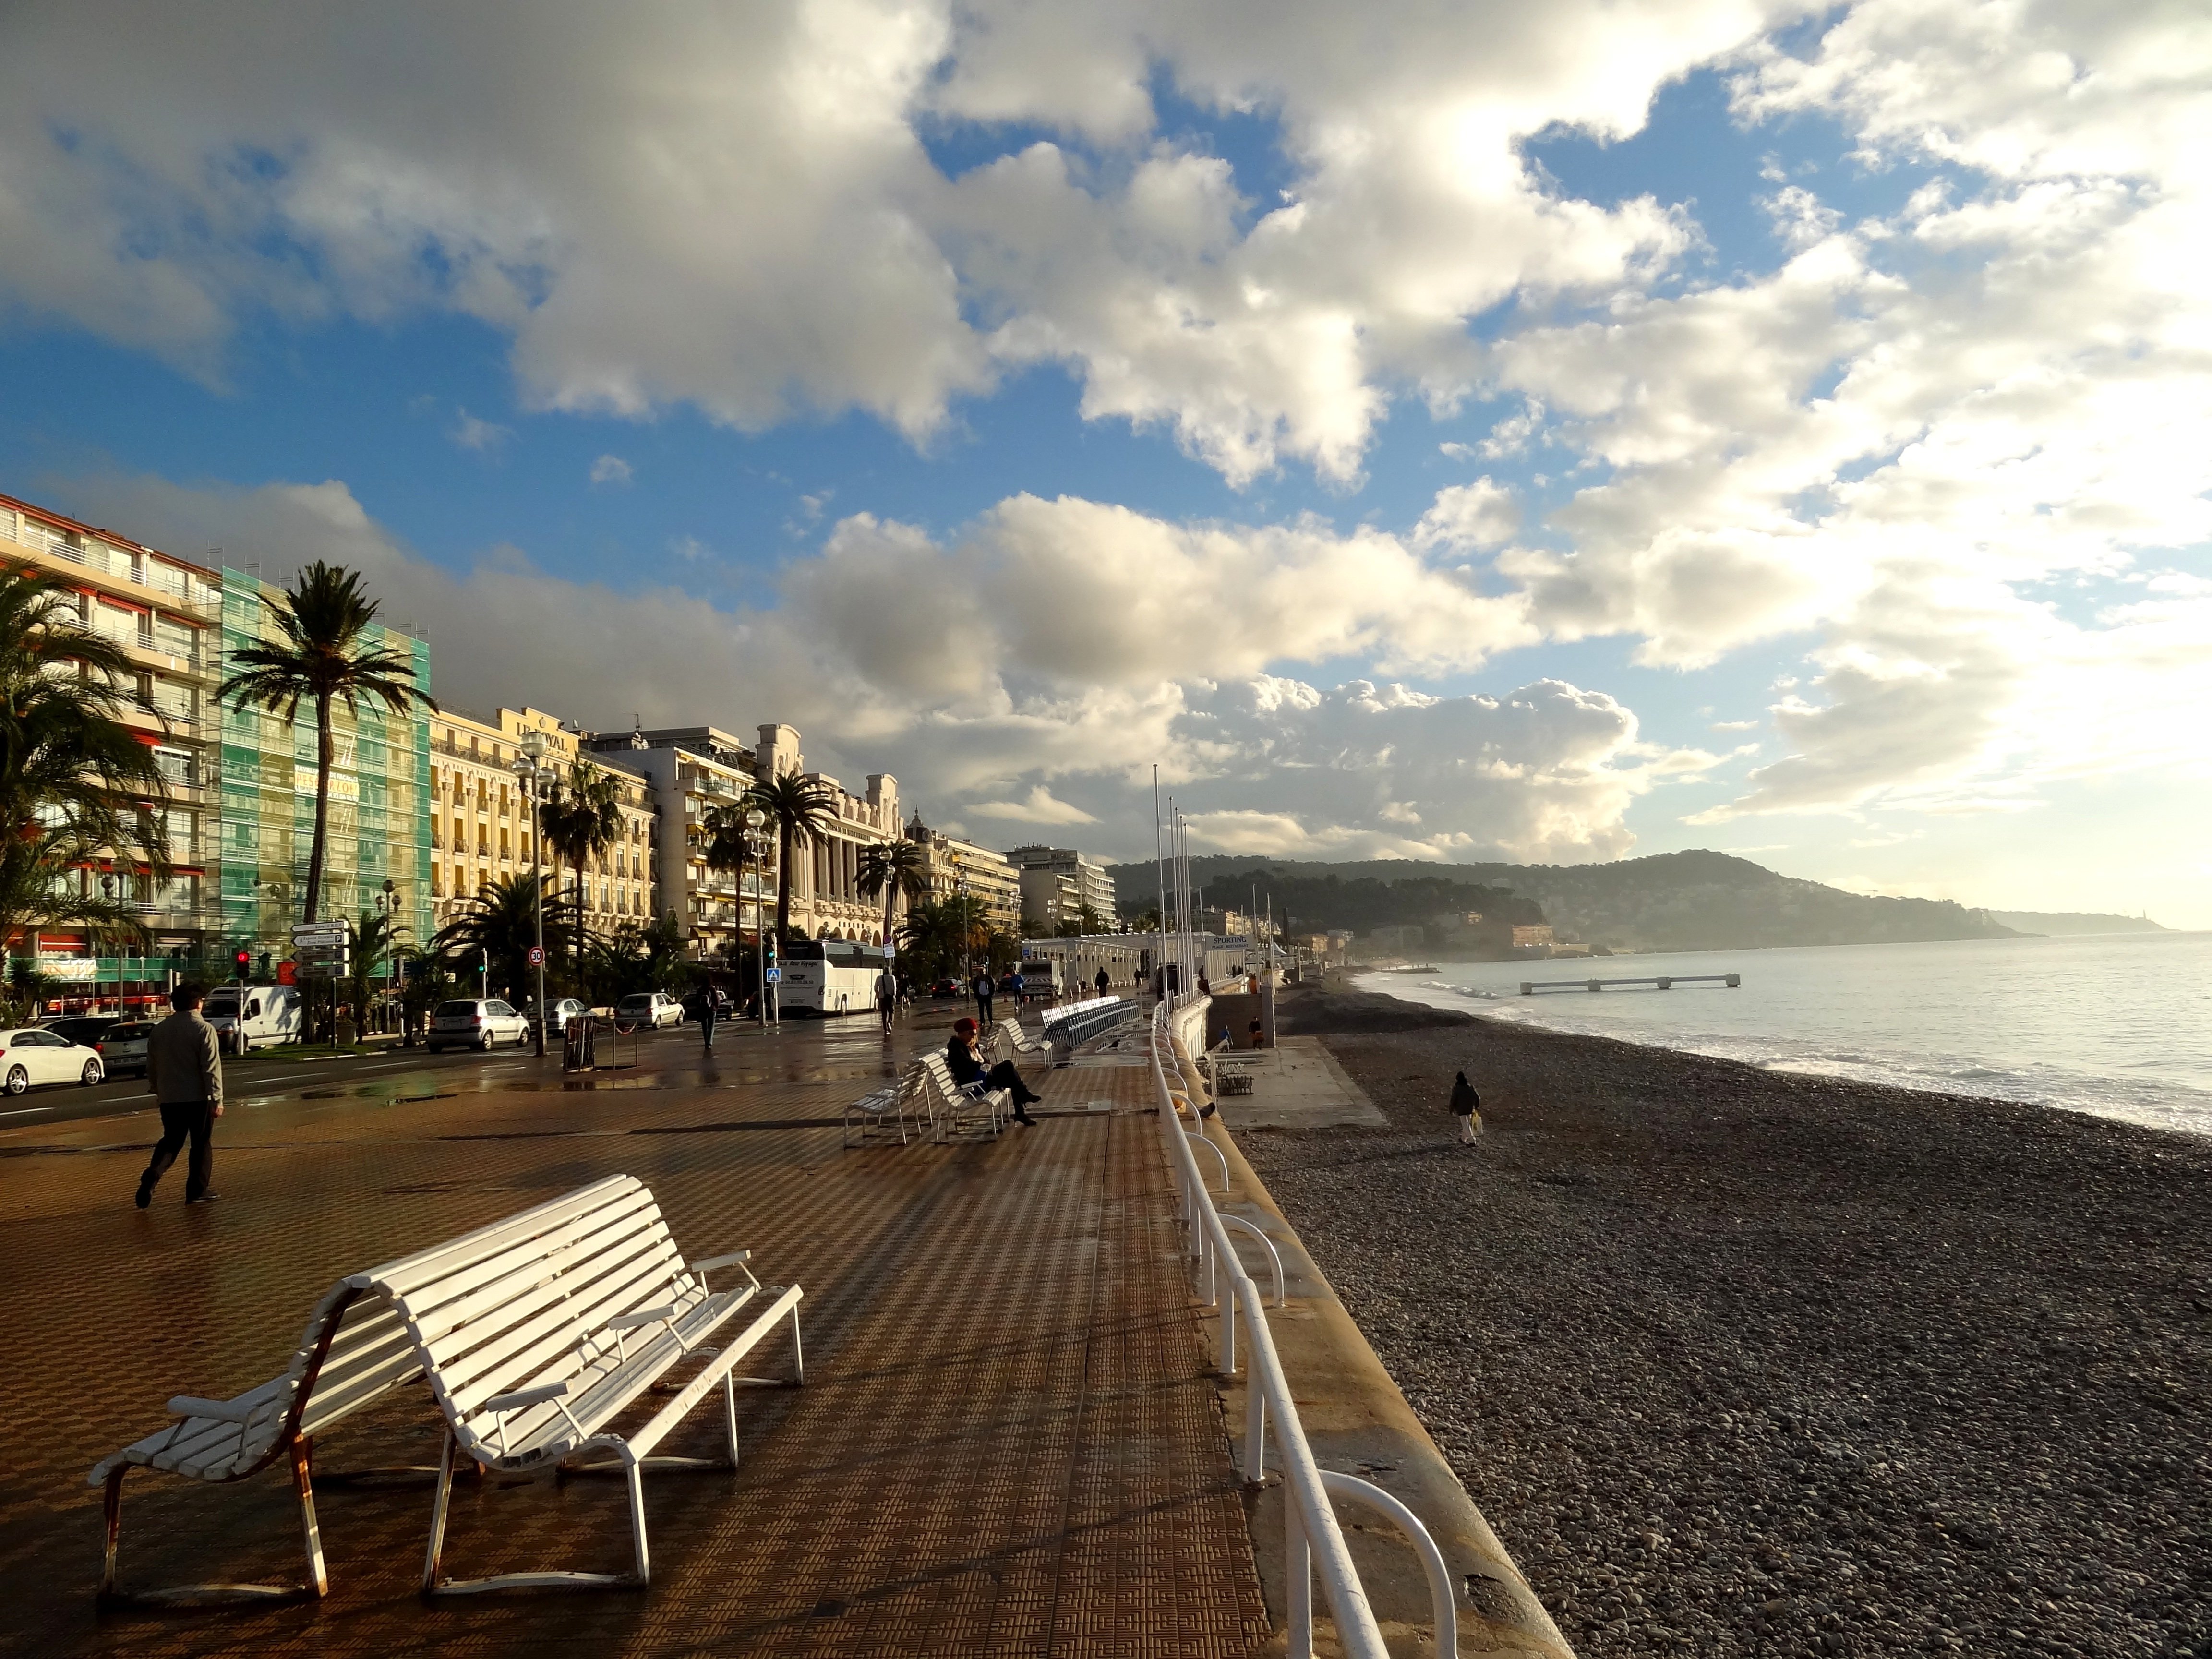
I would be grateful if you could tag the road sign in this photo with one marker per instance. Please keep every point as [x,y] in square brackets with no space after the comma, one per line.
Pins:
[889,951]
[775,975]
[536,956]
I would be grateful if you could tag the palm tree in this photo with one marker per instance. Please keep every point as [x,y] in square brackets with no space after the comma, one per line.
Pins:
[375,942]
[802,809]
[322,657]
[894,868]
[76,784]
[580,824]
[945,934]
[498,927]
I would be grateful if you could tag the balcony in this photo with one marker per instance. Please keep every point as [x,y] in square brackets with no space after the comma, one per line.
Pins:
[160,585]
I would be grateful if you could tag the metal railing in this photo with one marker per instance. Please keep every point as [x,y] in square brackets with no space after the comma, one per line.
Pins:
[1314,1543]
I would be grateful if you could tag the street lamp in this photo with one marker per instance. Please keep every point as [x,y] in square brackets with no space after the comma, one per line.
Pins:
[107,889]
[536,777]
[755,819]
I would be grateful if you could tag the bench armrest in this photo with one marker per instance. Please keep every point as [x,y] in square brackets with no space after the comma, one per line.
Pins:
[735,1258]
[503,1403]
[222,1411]
[629,1321]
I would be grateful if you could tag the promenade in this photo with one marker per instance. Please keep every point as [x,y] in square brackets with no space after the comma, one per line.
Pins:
[1008,1441]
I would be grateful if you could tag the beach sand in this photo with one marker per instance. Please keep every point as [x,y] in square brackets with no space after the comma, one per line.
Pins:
[1743,1362]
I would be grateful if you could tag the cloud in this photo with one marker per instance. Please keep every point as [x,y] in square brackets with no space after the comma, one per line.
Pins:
[481,436]
[612,469]
[1466,516]
[1039,806]
[882,656]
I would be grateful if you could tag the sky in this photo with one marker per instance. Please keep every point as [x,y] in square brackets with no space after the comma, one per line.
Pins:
[1455,431]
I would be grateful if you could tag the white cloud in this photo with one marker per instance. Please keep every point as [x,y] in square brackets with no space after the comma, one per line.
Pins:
[1038,806]
[1469,516]
[612,469]
[481,436]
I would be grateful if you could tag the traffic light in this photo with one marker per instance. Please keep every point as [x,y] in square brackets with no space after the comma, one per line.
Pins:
[245,960]
[264,964]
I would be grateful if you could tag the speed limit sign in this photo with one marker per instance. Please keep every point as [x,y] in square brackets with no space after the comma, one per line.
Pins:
[536,956]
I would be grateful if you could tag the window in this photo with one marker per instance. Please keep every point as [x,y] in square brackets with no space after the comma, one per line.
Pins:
[502,841]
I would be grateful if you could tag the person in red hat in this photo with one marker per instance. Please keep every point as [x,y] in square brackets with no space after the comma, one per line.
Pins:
[967,1071]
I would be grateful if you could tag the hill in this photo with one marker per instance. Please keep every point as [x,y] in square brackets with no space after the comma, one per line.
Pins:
[1693,900]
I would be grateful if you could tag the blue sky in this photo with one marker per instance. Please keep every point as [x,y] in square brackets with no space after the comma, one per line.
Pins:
[1134,363]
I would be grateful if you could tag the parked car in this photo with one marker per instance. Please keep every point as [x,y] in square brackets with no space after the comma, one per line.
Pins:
[83,1029]
[652,1008]
[123,1046]
[31,1054]
[563,1010]
[945,987]
[695,1004]
[479,1022]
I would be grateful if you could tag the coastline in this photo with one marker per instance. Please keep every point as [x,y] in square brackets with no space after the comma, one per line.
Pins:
[1748,1362]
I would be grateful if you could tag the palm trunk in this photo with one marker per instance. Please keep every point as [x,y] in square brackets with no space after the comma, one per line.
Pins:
[579,922]
[325,757]
[783,887]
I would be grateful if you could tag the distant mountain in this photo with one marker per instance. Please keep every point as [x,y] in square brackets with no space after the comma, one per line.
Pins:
[1695,901]
[2060,922]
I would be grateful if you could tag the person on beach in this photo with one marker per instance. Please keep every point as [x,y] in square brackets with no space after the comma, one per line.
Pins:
[1465,1103]
[967,1071]
[183,1068]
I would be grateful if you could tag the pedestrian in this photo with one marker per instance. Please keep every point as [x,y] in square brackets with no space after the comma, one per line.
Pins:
[967,1071]
[982,989]
[887,997]
[1257,1032]
[1021,989]
[1102,982]
[708,997]
[1465,1104]
[183,1068]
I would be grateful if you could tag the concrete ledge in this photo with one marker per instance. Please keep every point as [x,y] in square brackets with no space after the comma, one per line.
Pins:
[1358,1422]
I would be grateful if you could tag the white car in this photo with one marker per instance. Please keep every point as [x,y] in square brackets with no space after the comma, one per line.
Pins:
[563,1010]
[29,1055]
[653,1008]
[477,1024]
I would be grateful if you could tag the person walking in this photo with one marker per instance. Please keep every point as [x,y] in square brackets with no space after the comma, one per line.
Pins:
[887,997]
[967,1071]
[1102,982]
[982,989]
[1465,1104]
[183,1068]
[709,1006]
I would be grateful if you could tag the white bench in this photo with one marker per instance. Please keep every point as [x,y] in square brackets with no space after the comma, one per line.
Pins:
[1008,1039]
[355,1350]
[875,1117]
[954,1109]
[538,1332]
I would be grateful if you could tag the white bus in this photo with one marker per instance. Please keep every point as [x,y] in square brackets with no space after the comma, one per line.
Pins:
[824,977]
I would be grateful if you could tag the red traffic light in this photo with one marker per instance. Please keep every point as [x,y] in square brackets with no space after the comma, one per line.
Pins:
[245,960]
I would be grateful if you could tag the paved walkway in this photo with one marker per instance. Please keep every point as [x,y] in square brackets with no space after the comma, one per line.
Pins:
[1008,1443]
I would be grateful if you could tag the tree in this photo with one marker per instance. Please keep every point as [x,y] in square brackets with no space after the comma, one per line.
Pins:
[724,844]
[500,924]
[894,868]
[323,658]
[801,809]
[375,942]
[78,787]
[944,935]
[580,821]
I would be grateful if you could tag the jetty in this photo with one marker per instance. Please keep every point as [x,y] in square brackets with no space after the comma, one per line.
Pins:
[1662,982]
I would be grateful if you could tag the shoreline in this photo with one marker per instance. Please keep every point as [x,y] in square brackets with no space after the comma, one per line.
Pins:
[1748,1362]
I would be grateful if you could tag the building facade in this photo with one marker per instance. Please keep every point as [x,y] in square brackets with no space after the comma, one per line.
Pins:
[1049,899]
[481,829]
[165,614]
[1093,887]
[956,867]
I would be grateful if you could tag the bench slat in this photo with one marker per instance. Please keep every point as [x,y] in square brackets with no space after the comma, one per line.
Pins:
[402,1277]
[466,1288]
[473,1373]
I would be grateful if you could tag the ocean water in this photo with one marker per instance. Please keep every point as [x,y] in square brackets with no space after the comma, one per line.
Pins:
[2118,1024]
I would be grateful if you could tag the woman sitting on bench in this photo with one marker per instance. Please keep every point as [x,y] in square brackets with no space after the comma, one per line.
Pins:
[967,1071]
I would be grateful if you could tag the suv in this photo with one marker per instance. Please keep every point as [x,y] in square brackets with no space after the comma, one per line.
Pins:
[83,1029]
[474,1023]
[652,1008]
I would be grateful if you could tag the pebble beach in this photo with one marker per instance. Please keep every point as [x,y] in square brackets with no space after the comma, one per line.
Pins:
[1748,1362]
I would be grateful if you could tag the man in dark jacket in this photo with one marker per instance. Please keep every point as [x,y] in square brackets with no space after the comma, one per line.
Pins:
[1102,982]
[183,1066]
[982,987]
[1464,1103]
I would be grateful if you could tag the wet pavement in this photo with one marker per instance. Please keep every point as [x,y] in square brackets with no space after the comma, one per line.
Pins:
[1007,1444]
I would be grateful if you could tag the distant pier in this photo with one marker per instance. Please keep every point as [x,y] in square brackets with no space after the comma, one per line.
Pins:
[1664,982]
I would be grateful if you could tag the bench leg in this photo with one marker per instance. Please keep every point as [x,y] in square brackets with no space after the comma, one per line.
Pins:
[729,1411]
[112,1510]
[438,1505]
[112,1515]
[434,1584]
[319,1580]
[637,1522]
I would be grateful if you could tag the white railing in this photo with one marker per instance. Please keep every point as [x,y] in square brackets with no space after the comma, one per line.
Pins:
[1313,1541]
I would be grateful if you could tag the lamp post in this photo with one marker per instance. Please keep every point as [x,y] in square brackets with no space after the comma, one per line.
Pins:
[107,889]
[535,776]
[755,819]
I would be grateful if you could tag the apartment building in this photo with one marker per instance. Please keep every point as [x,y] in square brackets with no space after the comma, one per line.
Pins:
[691,770]
[1094,887]
[480,830]
[956,867]
[376,841]
[165,614]
[1050,898]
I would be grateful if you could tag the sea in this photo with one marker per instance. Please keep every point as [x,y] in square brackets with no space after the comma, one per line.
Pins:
[2115,1024]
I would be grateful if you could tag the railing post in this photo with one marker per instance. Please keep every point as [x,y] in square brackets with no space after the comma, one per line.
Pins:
[1255,1420]
[1297,1578]
[1229,1324]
